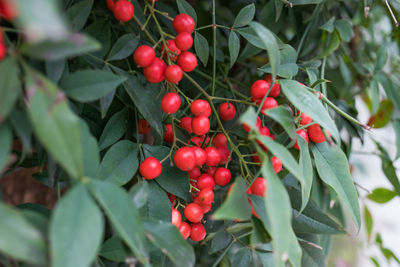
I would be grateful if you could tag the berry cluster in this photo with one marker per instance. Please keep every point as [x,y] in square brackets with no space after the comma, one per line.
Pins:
[123,10]
[155,70]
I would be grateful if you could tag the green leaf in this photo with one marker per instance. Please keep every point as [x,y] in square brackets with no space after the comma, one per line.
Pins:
[113,249]
[140,193]
[158,205]
[288,67]
[201,47]
[90,150]
[283,116]
[234,47]
[312,256]
[334,43]
[90,85]
[343,26]
[236,205]
[306,2]
[374,95]
[307,169]
[123,215]
[10,86]
[309,103]
[389,170]
[277,203]
[147,101]
[19,239]
[114,129]
[76,229]
[124,47]
[171,178]
[220,241]
[396,126]
[381,57]
[368,222]
[73,45]
[185,7]
[245,16]
[270,44]
[79,13]
[382,117]
[54,124]
[381,195]
[5,144]
[167,237]
[120,163]
[333,168]
[243,257]
[329,26]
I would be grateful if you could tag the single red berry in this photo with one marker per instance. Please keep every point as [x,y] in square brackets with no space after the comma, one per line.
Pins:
[213,157]
[315,133]
[206,196]
[247,127]
[185,230]
[200,107]
[305,119]
[211,171]
[276,88]
[200,140]
[258,89]
[219,140]
[3,50]
[200,155]
[198,232]
[259,186]
[168,134]
[206,208]
[170,103]
[265,132]
[222,176]
[255,157]
[268,104]
[224,154]
[184,41]
[155,73]
[302,133]
[226,111]
[171,198]
[144,56]
[123,10]
[8,9]
[276,164]
[186,123]
[110,4]
[194,173]
[173,52]
[143,126]
[150,168]
[200,124]
[176,218]
[183,23]
[185,159]
[187,61]
[205,181]
[193,212]
[173,74]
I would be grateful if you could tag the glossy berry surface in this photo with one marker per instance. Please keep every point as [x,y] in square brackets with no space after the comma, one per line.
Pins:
[144,56]
[303,134]
[200,107]
[200,125]
[123,10]
[222,176]
[176,218]
[315,133]
[187,61]
[198,232]
[194,173]
[224,154]
[150,168]
[185,230]
[155,72]
[305,119]
[213,157]
[193,212]
[143,126]
[173,74]
[200,155]
[226,111]
[206,196]
[170,103]
[276,164]
[110,4]
[219,140]
[205,181]
[168,134]
[258,89]
[183,23]
[276,88]
[186,123]
[184,41]
[173,51]
[258,187]
[185,159]
[268,104]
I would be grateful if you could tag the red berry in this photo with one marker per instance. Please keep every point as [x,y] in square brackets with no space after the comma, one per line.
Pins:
[259,186]
[185,159]
[265,131]
[198,232]
[8,9]
[171,198]
[315,133]
[200,107]
[259,89]
[144,56]
[3,50]
[186,123]
[176,218]
[206,208]
[305,119]
[173,74]
[219,140]
[206,196]
[187,61]
[143,126]
[213,157]
[173,52]
[268,104]
[201,124]
[110,4]
[226,111]
[304,135]
[170,103]
[276,164]
[222,176]
[155,72]
[193,212]
[184,41]
[205,181]
[211,170]
[168,134]
[185,230]
[123,10]
[276,88]
[200,155]
[200,140]
[256,157]
[150,168]
[224,154]
[194,173]
[247,127]
[183,23]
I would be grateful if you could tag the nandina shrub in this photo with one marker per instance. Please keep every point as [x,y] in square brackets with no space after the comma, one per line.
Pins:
[178,134]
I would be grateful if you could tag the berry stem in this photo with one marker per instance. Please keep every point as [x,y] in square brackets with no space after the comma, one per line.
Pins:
[214,27]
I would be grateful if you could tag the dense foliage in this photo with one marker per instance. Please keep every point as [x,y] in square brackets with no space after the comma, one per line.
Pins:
[226,147]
